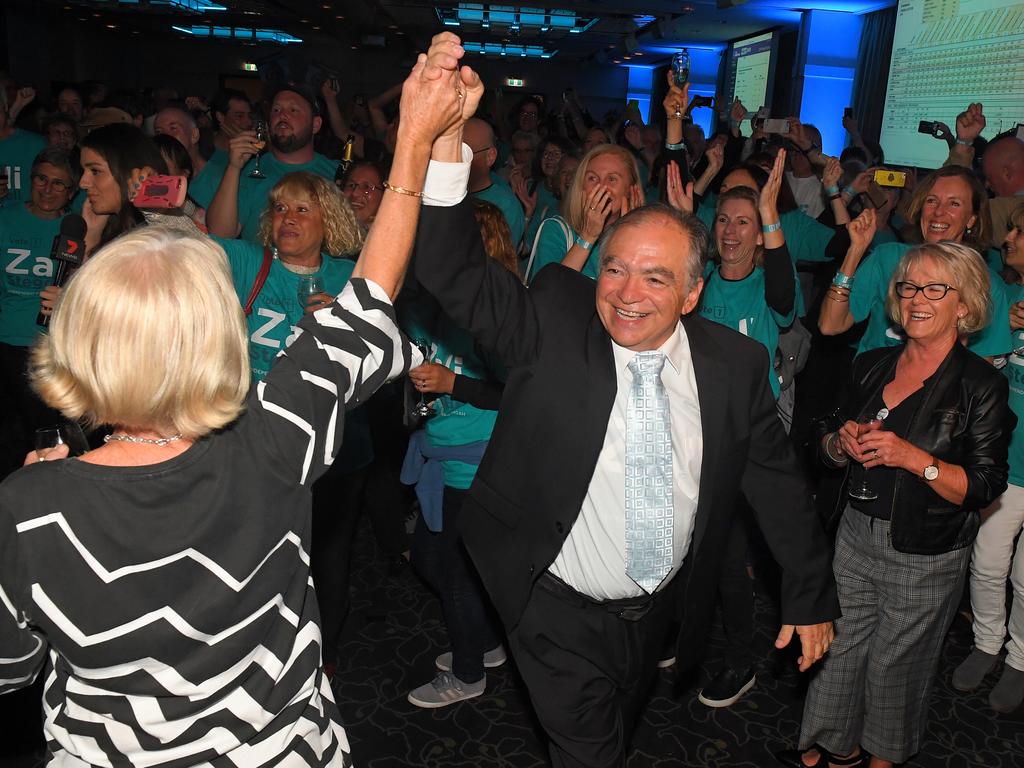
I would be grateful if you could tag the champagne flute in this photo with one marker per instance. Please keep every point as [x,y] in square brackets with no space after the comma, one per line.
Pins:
[867,423]
[67,433]
[309,286]
[422,409]
[680,71]
[260,127]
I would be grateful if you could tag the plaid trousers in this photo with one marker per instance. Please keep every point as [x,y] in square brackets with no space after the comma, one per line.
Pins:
[874,683]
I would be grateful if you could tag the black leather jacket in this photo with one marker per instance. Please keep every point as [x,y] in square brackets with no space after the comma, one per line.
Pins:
[964,419]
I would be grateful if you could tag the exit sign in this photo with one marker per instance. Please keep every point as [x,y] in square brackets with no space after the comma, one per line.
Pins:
[248,66]
[514,82]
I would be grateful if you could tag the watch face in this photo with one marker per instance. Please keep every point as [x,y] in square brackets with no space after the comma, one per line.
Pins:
[931,472]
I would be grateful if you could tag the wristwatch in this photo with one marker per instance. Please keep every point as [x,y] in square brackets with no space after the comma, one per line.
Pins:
[931,472]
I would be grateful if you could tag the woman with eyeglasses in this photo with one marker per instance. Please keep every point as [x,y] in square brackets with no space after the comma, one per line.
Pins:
[950,204]
[363,187]
[924,438]
[27,231]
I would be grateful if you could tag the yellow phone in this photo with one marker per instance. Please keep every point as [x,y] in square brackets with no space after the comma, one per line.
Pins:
[887,178]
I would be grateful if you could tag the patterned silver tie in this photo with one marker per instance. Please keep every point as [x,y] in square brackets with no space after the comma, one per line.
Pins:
[649,514]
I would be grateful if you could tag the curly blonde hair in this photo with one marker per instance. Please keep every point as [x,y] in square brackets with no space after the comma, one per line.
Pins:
[342,234]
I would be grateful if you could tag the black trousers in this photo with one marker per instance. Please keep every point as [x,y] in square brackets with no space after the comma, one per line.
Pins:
[736,592]
[443,562]
[588,667]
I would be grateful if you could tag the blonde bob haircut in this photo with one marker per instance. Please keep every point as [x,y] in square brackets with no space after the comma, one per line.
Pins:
[148,335]
[576,197]
[968,274]
[342,234]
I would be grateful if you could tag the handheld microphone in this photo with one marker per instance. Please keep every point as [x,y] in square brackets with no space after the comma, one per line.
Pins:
[68,253]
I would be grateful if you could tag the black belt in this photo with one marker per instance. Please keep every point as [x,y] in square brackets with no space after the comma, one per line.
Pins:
[628,608]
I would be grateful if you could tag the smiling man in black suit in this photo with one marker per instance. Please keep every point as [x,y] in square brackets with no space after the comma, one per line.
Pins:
[627,427]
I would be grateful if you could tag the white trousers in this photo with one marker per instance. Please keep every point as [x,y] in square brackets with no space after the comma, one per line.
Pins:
[992,561]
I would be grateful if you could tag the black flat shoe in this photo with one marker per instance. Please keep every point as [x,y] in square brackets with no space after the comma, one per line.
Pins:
[794,759]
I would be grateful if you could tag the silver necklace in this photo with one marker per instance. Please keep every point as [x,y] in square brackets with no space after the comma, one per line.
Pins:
[161,441]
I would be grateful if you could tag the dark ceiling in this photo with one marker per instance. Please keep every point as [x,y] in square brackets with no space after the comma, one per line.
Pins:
[650,28]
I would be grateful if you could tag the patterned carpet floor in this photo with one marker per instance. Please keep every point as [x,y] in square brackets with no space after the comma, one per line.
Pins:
[395,631]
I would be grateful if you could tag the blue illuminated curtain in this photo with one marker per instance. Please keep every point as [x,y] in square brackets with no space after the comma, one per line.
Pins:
[872,74]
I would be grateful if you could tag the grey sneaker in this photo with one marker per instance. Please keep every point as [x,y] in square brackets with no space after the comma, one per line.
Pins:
[1008,693]
[973,669]
[492,658]
[446,689]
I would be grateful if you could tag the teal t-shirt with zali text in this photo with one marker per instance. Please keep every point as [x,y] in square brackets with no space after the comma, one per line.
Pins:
[25,244]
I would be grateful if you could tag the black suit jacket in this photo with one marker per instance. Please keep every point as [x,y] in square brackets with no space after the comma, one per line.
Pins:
[552,421]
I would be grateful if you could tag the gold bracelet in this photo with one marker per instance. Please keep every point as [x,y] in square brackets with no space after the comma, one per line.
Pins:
[402,190]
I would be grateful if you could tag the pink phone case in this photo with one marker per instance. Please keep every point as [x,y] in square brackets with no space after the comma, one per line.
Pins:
[161,192]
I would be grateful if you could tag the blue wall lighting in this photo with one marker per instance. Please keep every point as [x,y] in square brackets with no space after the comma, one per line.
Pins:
[832,39]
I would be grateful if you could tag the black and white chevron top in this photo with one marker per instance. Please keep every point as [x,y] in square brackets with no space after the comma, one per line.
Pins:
[175,599]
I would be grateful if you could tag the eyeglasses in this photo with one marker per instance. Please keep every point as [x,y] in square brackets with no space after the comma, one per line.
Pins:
[932,291]
[552,154]
[361,187]
[478,151]
[58,184]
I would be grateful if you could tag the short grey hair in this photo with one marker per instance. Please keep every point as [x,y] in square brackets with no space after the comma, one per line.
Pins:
[695,235]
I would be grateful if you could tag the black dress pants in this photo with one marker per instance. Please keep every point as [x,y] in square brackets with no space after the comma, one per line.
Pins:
[588,667]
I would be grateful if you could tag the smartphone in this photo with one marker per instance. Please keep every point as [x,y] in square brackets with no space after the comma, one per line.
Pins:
[928,126]
[702,101]
[633,104]
[876,194]
[776,125]
[887,178]
[161,192]
[335,85]
[848,113]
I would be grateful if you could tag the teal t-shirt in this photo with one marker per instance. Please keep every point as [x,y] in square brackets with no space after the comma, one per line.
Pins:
[883,236]
[252,193]
[276,311]
[455,422]
[16,155]
[547,206]
[551,249]
[1014,371]
[25,244]
[871,286]
[501,195]
[740,305]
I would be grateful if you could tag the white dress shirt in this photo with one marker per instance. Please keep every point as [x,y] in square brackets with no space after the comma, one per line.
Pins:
[593,557]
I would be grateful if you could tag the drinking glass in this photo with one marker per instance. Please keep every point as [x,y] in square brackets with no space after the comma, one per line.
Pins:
[260,127]
[67,433]
[309,286]
[867,423]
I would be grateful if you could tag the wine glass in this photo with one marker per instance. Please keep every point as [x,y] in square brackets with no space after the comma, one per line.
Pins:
[422,409]
[867,423]
[680,71]
[260,127]
[67,433]
[309,286]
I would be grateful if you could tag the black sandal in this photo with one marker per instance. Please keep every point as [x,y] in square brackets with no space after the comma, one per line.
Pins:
[794,759]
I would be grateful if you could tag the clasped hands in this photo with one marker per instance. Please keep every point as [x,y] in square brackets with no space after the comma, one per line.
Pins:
[439,96]
[879,448]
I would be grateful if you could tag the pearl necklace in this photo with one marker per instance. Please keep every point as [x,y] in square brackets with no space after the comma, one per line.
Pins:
[161,441]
